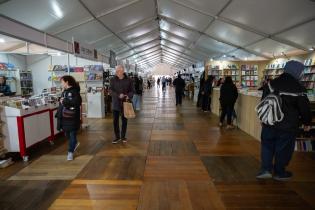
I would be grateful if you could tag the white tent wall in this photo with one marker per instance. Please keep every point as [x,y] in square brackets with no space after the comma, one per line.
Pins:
[163,69]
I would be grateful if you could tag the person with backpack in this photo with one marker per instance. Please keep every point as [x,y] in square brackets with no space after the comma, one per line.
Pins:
[228,97]
[136,99]
[69,119]
[283,109]
[121,89]
[179,84]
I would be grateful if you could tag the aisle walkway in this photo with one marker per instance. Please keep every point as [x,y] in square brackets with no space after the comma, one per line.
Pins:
[176,158]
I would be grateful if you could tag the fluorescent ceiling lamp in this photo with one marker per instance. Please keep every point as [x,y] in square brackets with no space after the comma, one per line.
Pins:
[2,40]
[57,10]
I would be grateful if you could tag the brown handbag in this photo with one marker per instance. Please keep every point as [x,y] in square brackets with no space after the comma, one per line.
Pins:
[129,112]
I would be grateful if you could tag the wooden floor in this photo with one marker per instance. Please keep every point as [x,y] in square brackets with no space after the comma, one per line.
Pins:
[176,158]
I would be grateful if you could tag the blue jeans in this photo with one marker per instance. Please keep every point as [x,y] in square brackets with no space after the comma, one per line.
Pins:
[277,148]
[136,99]
[72,136]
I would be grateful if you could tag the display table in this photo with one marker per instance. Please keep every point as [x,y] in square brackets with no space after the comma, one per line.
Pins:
[96,105]
[247,119]
[24,128]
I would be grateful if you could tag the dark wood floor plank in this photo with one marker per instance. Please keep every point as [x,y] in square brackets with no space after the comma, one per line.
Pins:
[117,168]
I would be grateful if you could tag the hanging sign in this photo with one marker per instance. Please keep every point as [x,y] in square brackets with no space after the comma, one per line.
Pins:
[84,51]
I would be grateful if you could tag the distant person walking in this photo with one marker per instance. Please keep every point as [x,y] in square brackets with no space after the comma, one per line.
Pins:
[179,84]
[121,88]
[158,82]
[136,100]
[228,97]
[163,84]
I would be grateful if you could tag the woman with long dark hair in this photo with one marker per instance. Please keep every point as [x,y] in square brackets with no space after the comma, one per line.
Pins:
[228,97]
[69,112]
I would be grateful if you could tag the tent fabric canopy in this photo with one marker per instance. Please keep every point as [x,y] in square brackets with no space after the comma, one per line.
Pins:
[180,32]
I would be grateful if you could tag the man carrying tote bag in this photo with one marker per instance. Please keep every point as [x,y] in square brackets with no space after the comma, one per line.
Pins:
[121,89]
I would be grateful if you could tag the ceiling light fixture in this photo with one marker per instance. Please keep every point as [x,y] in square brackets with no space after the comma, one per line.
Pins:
[311,49]
[224,56]
[246,59]
[2,40]
[58,12]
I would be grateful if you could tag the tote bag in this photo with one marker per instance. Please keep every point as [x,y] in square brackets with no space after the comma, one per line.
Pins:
[128,110]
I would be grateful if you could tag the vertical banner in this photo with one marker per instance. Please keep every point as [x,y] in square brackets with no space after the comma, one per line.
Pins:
[112,59]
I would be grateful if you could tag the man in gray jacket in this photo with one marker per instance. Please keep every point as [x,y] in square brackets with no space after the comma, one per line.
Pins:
[121,88]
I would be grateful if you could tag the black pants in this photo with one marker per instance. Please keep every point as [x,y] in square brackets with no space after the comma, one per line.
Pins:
[205,103]
[277,148]
[227,110]
[124,120]
[179,96]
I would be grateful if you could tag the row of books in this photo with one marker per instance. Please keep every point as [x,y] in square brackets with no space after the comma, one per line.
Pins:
[273,72]
[251,83]
[250,78]
[308,77]
[249,67]
[250,72]
[309,62]
[231,66]
[87,68]
[231,73]
[309,70]
[6,66]
[276,66]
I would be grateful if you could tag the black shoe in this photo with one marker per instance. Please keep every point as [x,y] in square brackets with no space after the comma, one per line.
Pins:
[115,141]
[286,176]
[124,140]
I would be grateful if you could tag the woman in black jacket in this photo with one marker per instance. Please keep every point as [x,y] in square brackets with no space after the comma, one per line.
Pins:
[69,112]
[228,97]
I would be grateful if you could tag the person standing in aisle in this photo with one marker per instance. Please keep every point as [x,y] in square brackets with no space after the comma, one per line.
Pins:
[4,88]
[278,141]
[158,82]
[228,97]
[206,94]
[179,84]
[149,84]
[163,84]
[121,89]
[69,119]
[136,100]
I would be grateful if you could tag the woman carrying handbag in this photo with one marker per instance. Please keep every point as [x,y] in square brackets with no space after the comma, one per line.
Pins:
[69,112]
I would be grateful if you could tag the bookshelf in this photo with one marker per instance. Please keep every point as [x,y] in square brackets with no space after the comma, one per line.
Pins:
[10,72]
[26,81]
[216,72]
[306,140]
[249,75]
[308,78]
[232,70]
[272,71]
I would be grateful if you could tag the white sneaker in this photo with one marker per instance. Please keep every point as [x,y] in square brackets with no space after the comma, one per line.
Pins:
[70,156]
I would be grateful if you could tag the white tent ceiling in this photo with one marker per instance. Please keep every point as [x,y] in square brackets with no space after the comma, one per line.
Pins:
[179,32]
